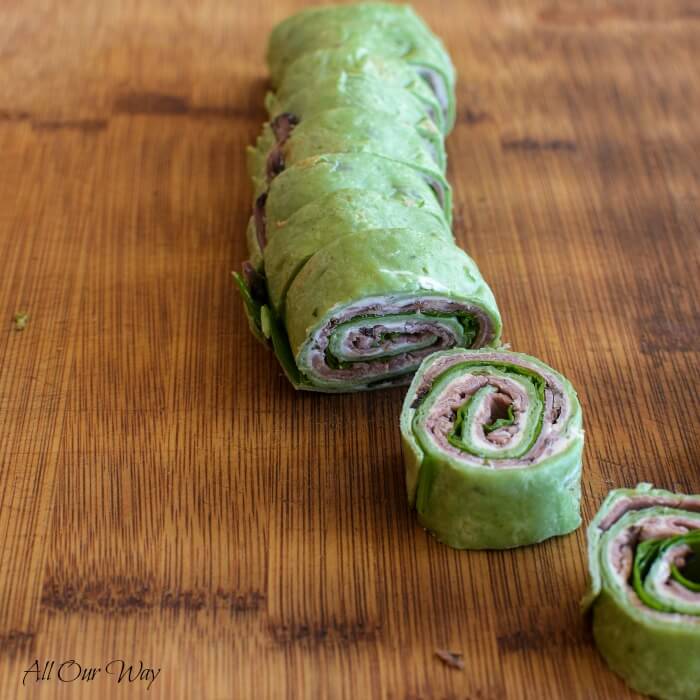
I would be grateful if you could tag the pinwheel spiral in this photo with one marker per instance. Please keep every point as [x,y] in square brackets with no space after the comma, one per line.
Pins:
[644,562]
[492,445]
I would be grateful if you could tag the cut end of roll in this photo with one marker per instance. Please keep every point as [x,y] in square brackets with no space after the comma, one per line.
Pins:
[380,342]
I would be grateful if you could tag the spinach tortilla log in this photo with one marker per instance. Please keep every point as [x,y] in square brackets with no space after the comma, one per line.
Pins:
[354,276]
[492,445]
[644,593]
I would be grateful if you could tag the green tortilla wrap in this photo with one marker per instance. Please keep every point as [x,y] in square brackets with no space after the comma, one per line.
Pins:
[353,60]
[350,130]
[392,31]
[292,242]
[366,93]
[644,594]
[407,294]
[313,179]
[492,445]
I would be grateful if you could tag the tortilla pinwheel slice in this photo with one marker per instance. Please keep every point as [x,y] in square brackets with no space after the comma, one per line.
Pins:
[361,92]
[492,445]
[644,565]
[293,241]
[352,60]
[314,178]
[348,130]
[367,324]
[393,31]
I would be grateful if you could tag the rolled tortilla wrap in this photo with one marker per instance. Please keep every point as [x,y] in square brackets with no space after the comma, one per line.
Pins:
[492,445]
[392,31]
[310,179]
[644,565]
[368,324]
[349,130]
[353,275]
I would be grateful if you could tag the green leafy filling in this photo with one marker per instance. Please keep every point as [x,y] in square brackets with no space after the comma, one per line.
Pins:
[690,575]
[459,435]
[268,328]
[251,306]
[501,422]
[646,555]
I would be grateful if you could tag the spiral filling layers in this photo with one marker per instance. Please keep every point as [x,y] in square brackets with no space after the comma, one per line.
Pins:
[492,445]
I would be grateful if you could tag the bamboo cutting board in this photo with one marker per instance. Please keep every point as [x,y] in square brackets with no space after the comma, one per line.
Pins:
[167,498]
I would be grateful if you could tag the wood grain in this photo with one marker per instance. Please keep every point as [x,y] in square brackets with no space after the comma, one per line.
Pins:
[164,494]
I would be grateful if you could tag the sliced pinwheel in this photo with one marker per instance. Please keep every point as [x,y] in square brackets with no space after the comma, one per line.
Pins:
[492,446]
[644,594]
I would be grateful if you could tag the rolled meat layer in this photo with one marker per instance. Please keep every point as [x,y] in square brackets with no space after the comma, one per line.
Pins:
[392,31]
[492,445]
[644,564]
[354,276]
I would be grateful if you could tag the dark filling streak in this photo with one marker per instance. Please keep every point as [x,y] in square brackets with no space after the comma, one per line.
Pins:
[420,395]
[260,220]
[438,190]
[437,86]
[690,568]
[275,162]
[256,283]
[282,126]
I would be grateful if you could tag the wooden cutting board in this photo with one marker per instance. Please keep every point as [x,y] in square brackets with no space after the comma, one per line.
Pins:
[167,498]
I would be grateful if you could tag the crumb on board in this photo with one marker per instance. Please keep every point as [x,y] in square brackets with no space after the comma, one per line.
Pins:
[453,659]
[20,320]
